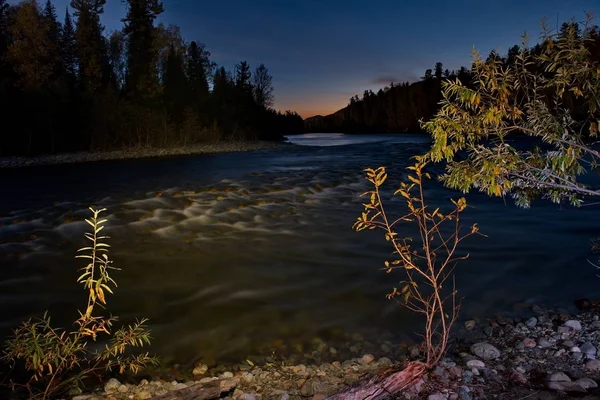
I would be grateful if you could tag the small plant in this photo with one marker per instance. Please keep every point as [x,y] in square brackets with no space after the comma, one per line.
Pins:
[429,266]
[59,359]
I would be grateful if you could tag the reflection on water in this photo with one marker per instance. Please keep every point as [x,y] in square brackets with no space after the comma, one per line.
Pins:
[233,254]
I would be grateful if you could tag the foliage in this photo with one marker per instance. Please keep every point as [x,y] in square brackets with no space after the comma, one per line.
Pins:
[525,127]
[58,358]
[71,87]
[427,266]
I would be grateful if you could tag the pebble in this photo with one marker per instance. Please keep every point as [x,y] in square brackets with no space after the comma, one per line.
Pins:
[200,370]
[531,322]
[485,351]
[529,343]
[437,396]
[123,389]
[470,324]
[559,377]
[112,385]
[587,383]
[544,343]
[368,358]
[518,377]
[475,364]
[574,324]
[593,365]
[589,350]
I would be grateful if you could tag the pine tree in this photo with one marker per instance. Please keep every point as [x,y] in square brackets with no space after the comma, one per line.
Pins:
[68,50]
[117,58]
[4,31]
[92,57]
[243,76]
[175,86]
[142,79]
[54,27]
[54,36]
[197,74]
[439,70]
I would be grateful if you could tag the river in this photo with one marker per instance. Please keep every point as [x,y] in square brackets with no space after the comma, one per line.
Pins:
[242,254]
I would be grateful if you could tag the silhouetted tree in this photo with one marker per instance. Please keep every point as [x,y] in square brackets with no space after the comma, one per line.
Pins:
[70,88]
[196,63]
[142,77]
[511,56]
[92,58]
[263,87]
[439,70]
[117,58]
[68,50]
[175,86]
[428,74]
[243,76]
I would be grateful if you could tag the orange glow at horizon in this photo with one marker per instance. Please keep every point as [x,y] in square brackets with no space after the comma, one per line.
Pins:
[310,107]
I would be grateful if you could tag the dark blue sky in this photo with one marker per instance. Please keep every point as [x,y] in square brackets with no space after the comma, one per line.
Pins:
[321,52]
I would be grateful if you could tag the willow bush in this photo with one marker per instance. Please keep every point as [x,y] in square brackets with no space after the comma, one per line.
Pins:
[427,263]
[59,358]
[551,95]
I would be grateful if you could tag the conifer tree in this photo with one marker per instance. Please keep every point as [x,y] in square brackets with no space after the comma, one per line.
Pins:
[68,50]
[142,78]
[92,58]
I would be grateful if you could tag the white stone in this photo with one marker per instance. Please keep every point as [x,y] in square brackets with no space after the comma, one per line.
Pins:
[587,383]
[485,351]
[574,324]
[475,364]
[200,370]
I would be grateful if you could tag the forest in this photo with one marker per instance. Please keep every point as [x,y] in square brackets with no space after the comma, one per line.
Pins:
[400,107]
[66,85]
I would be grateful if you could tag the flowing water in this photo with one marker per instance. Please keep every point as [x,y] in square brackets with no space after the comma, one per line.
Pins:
[236,254]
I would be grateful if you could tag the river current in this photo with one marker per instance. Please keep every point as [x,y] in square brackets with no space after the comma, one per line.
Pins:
[240,254]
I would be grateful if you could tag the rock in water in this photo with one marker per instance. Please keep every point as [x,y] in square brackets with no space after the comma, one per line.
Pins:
[485,351]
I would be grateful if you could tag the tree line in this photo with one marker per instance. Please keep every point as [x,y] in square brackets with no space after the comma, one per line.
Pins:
[401,107]
[65,85]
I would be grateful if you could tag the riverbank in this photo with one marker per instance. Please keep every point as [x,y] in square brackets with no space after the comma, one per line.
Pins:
[548,355]
[141,152]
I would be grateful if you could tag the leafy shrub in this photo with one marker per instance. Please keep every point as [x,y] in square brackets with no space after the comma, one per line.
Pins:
[58,358]
[428,266]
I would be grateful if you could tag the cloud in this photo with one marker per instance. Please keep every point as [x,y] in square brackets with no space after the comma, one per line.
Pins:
[385,80]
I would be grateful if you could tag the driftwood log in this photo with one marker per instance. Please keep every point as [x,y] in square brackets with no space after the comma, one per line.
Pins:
[385,385]
[201,391]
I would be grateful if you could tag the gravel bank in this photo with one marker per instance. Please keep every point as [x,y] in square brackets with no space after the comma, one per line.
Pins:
[144,152]
[548,355]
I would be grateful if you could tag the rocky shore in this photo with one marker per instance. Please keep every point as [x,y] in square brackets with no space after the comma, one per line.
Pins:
[141,152]
[548,355]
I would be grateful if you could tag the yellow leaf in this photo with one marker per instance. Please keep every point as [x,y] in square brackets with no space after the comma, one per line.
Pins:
[101,295]
[413,179]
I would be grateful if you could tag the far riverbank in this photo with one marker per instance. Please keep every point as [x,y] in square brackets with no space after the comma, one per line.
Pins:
[140,152]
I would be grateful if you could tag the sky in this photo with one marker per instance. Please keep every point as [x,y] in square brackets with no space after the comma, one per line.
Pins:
[322,52]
